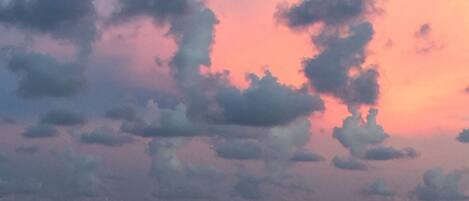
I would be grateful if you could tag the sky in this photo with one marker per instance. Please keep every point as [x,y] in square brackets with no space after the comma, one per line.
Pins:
[139,100]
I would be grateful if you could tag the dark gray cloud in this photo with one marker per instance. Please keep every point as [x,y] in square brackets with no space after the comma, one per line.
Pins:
[306,156]
[40,131]
[330,12]
[329,72]
[105,136]
[177,179]
[266,103]
[70,20]
[349,163]
[390,153]
[124,112]
[63,117]
[466,89]
[239,149]
[160,10]
[379,188]
[159,122]
[8,120]
[438,186]
[249,187]
[464,136]
[27,149]
[41,75]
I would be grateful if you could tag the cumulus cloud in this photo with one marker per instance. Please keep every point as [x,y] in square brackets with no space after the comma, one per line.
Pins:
[239,149]
[357,135]
[63,117]
[41,75]
[158,122]
[124,112]
[68,176]
[177,179]
[306,156]
[40,131]
[349,163]
[266,103]
[379,188]
[105,136]
[329,12]
[27,149]
[249,187]
[464,136]
[389,153]
[329,71]
[70,20]
[438,186]
[364,138]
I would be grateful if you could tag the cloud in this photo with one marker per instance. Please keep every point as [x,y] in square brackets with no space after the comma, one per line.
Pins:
[158,122]
[335,12]
[464,136]
[70,20]
[438,186]
[63,117]
[124,112]
[306,156]
[177,179]
[66,176]
[330,71]
[239,149]
[249,187]
[105,136]
[389,153]
[40,131]
[379,188]
[349,163]
[266,103]
[27,149]
[41,75]
[424,42]
[357,134]
[423,31]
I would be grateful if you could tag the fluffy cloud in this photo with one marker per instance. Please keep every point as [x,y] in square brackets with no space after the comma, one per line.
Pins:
[330,12]
[69,20]
[177,179]
[329,72]
[68,176]
[41,75]
[438,186]
[364,138]
[306,156]
[105,136]
[464,136]
[158,122]
[124,112]
[27,149]
[349,163]
[40,131]
[63,117]
[239,149]
[379,188]
[357,135]
[389,153]
[266,103]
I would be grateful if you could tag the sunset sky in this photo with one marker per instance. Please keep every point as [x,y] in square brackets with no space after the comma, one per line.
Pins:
[232,100]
